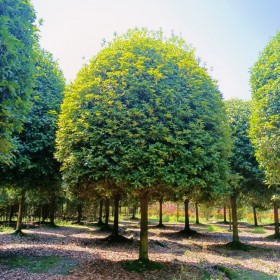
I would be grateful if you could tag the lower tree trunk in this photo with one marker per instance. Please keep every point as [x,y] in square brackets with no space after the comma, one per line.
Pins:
[235,237]
[80,211]
[116,214]
[187,221]
[276,219]
[230,219]
[20,213]
[100,211]
[196,214]
[160,212]
[11,215]
[107,212]
[144,248]
[255,216]
[52,210]
[133,212]
[225,214]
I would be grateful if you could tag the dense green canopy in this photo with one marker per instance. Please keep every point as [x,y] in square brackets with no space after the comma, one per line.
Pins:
[18,38]
[33,163]
[243,161]
[265,120]
[143,113]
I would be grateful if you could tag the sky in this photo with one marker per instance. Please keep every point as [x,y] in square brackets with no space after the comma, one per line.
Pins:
[228,35]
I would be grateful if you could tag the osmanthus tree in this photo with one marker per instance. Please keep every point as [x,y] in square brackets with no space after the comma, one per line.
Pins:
[265,119]
[17,64]
[142,114]
[246,176]
[34,165]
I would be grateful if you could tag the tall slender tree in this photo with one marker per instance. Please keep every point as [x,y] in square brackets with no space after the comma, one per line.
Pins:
[34,165]
[246,175]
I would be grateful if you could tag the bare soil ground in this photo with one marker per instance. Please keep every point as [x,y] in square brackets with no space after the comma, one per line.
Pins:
[78,253]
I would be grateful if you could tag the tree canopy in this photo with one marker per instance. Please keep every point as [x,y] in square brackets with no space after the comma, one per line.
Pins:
[17,58]
[265,120]
[33,163]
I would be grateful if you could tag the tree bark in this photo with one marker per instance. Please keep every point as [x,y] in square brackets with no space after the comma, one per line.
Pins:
[255,216]
[187,221]
[230,219]
[235,237]
[225,214]
[80,212]
[160,212]
[116,214]
[100,211]
[20,214]
[133,212]
[52,210]
[196,214]
[11,215]
[276,219]
[144,248]
[107,212]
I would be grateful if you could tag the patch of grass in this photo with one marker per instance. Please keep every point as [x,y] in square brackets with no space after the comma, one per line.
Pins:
[141,266]
[194,273]
[6,229]
[244,274]
[39,264]
[258,230]
[214,228]
[230,273]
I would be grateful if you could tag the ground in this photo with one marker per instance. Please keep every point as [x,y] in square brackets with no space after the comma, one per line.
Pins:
[78,252]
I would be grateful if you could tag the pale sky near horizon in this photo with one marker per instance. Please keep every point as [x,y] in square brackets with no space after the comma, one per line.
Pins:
[228,35]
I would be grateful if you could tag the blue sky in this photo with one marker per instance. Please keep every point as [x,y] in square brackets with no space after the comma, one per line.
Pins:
[228,35]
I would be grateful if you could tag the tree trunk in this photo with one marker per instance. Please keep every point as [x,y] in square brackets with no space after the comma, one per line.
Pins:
[20,214]
[80,212]
[230,219]
[187,221]
[11,215]
[100,212]
[276,219]
[107,212]
[52,211]
[133,212]
[225,214]
[116,214]
[255,216]
[196,214]
[160,212]
[143,249]
[235,237]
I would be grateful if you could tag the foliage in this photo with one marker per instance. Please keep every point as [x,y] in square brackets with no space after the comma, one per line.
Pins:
[33,162]
[247,177]
[17,57]
[265,120]
[143,112]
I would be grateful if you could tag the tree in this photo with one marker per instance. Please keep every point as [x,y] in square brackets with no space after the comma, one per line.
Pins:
[246,176]
[34,165]
[265,120]
[17,69]
[142,114]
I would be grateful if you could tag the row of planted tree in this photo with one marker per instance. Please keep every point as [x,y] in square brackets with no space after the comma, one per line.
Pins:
[143,119]
[100,211]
